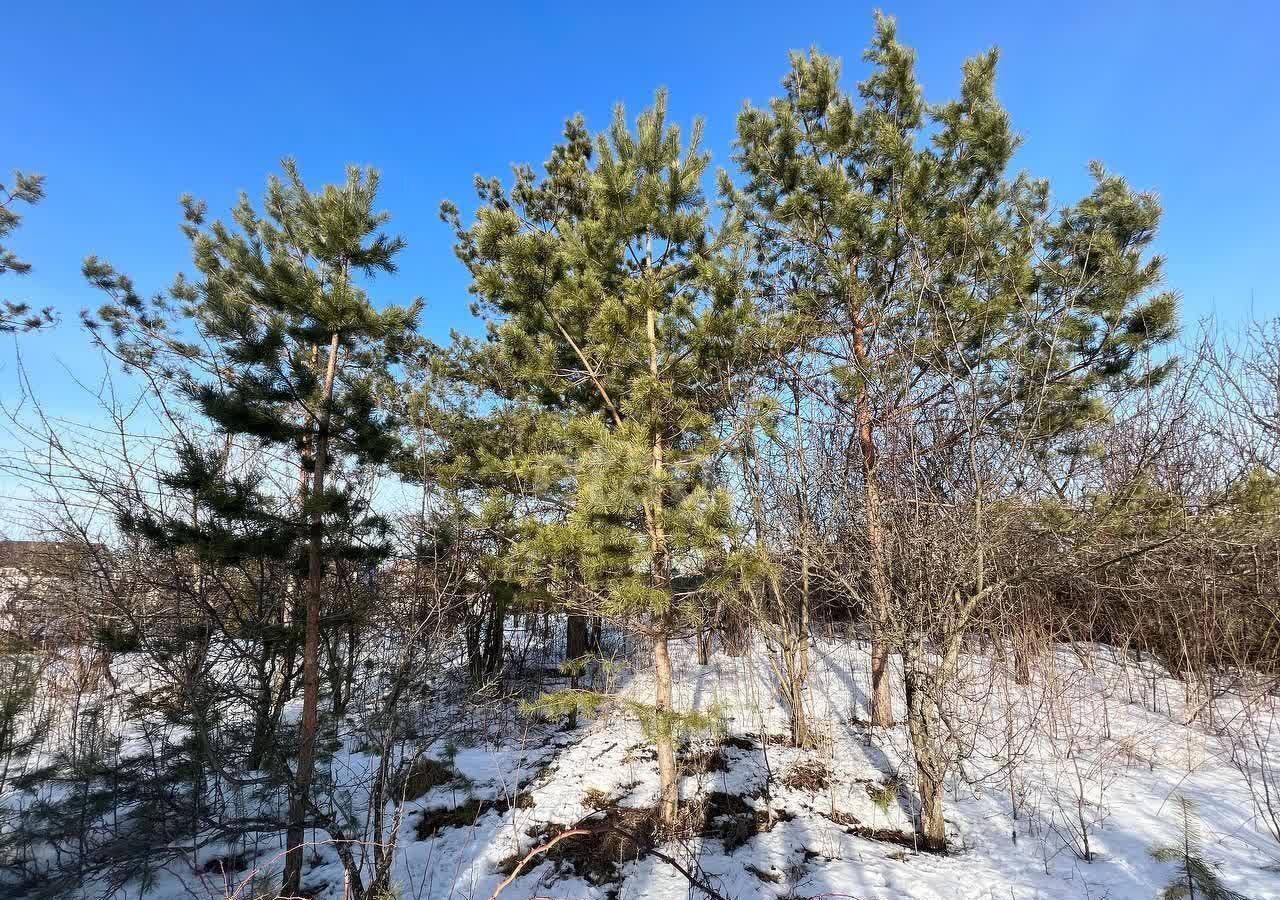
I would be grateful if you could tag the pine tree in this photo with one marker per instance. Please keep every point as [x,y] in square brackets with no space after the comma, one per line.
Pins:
[935,288]
[613,307]
[16,316]
[1195,878]
[286,352]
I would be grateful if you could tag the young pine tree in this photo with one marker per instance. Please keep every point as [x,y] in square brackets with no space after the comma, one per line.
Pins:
[283,350]
[1195,877]
[947,302]
[613,306]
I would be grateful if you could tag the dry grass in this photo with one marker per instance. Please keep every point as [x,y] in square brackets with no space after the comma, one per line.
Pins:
[810,775]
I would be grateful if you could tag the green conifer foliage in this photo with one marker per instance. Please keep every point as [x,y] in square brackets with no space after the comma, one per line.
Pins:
[16,316]
[614,307]
[926,269]
[936,286]
[278,345]
[1195,878]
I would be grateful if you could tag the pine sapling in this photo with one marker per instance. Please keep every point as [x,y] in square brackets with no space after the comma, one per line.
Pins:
[1195,878]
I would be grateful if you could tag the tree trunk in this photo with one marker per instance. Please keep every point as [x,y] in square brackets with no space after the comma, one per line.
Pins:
[933,832]
[800,647]
[794,694]
[735,633]
[929,764]
[265,667]
[334,669]
[881,699]
[668,777]
[575,643]
[349,668]
[704,646]
[484,633]
[500,595]
[296,835]
[877,564]
[575,647]
[660,573]
[282,689]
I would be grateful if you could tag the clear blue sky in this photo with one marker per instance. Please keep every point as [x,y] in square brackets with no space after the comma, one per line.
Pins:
[124,106]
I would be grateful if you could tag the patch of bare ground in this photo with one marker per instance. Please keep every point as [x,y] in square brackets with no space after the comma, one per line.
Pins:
[738,742]
[614,835]
[598,853]
[896,836]
[734,821]
[466,813]
[770,877]
[703,761]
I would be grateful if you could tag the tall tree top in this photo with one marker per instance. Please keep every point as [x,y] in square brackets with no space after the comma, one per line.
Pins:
[248,338]
[569,267]
[909,254]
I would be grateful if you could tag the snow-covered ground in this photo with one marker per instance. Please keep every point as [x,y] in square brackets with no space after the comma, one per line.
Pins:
[1090,750]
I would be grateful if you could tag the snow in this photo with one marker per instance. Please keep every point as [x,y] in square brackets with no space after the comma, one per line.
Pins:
[1090,753]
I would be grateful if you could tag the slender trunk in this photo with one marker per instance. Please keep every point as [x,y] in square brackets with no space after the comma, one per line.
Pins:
[296,835]
[877,564]
[484,633]
[799,719]
[385,838]
[282,686]
[704,646]
[1021,663]
[265,670]
[475,656]
[287,612]
[735,631]
[794,693]
[349,668]
[341,653]
[881,698]
[709,625]
[668,778]
[265,663]
[1023,636]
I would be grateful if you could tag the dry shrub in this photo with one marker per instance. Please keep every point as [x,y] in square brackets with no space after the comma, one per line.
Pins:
[425,775]
[597,799]
[884,792]
[809,775]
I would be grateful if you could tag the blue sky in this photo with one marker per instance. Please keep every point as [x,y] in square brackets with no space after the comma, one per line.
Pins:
[125,106]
